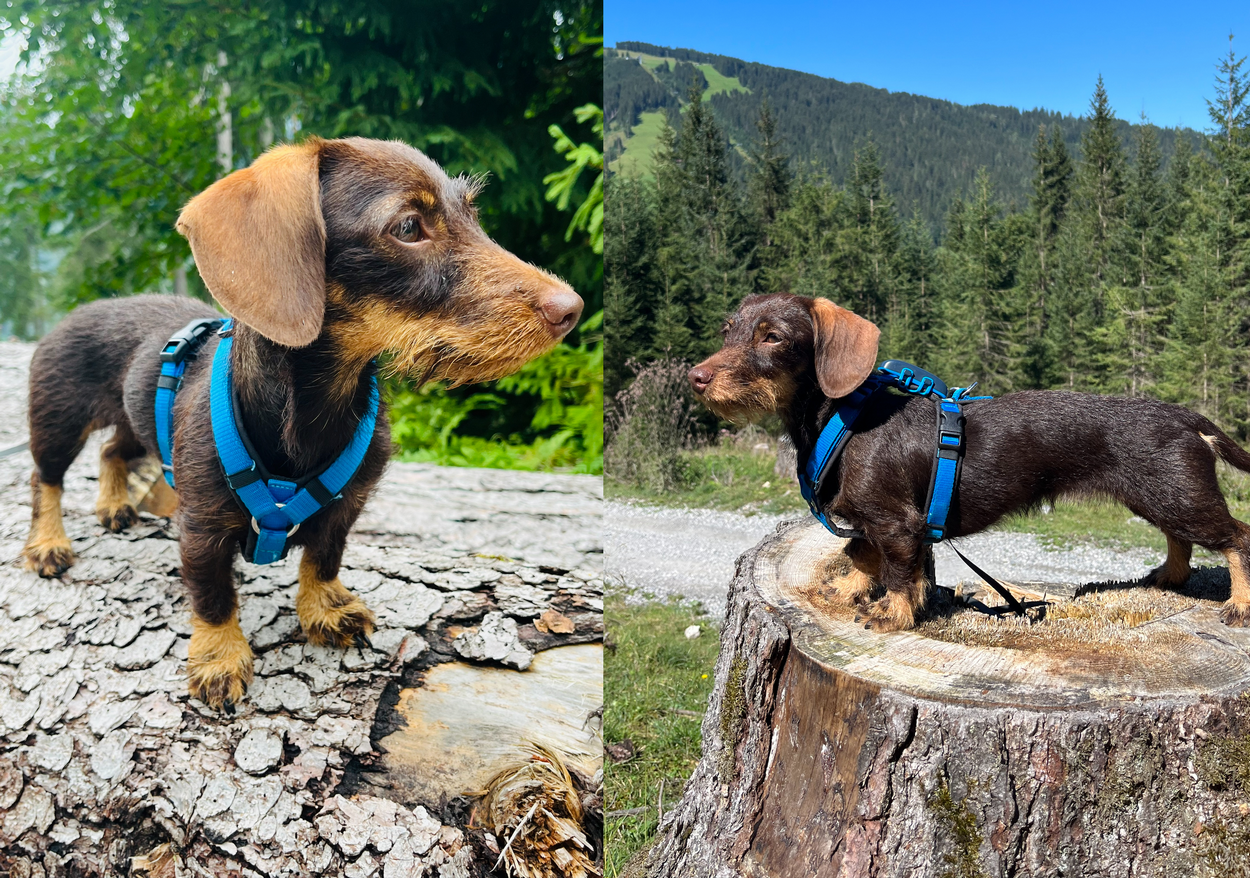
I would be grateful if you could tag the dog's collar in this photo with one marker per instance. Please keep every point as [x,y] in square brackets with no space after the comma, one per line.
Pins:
[277,506]
[948,456]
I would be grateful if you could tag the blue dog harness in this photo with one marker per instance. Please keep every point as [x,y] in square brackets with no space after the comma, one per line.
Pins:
[947,457]
[277,506]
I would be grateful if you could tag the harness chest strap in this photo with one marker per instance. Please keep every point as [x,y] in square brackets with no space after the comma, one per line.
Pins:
[277,506]
[182,347]
[948,453]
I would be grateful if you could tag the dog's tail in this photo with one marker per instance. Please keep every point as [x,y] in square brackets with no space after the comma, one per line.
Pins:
[1227,450]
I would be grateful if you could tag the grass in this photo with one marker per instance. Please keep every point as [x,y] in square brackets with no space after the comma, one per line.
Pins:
[726,478]
[651,671]
[719,83]
[636,160]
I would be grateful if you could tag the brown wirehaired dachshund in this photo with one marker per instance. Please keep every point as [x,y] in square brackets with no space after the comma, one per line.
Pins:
[326,254]
[797,357]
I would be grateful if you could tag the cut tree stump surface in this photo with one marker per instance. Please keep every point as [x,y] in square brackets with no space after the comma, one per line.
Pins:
[1111,739]
[103,757]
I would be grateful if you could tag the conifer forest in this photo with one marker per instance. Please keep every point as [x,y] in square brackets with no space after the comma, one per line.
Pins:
[1123,269]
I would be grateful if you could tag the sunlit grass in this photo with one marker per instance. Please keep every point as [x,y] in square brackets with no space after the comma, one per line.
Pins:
[656,684]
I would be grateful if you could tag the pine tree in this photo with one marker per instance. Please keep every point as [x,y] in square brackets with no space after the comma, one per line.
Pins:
[771,178]
[1230,112]
[877,234]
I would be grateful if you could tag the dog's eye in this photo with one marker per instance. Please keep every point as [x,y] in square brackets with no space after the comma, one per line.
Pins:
[772,338]
[408,230]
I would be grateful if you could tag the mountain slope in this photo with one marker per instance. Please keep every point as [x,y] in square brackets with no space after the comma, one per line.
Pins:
[931,148]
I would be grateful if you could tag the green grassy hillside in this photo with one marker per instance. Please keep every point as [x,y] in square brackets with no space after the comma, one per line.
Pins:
[931,149]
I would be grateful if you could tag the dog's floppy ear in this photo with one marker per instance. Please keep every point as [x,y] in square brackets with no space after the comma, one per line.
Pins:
[846,348]
[259,241]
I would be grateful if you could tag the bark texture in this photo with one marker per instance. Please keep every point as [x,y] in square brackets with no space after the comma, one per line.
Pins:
[832,751]
[104,758]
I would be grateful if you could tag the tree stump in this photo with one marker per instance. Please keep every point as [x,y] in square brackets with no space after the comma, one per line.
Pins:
[1112,738]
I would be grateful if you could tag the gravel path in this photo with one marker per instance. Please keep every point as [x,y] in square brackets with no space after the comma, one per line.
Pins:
[692,552]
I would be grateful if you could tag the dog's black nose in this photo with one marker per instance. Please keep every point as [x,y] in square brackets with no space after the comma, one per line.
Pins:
[561,309]
[700,378]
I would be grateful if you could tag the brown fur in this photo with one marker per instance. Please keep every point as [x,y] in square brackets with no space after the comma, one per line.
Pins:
[328,255]
[797,357]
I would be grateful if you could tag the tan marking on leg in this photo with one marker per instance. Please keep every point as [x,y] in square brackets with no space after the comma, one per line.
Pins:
[896,611]
[47,549]
[219,662]
[1236,611]
[1174,572]
[856,585]
[113,506]
[329,614]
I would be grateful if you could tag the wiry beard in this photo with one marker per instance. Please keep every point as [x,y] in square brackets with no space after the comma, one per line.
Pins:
[742,403]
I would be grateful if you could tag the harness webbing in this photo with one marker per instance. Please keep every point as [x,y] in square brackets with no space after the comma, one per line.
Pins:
[947,460]
[183,346]
[948,453]
[277,506]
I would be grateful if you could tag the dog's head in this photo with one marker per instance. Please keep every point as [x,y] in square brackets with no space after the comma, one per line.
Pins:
[775,344]
[370,246]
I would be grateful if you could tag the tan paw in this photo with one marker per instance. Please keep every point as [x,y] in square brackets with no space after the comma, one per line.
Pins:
[332,616]
[1235,615]
[119,518]
[892,613]
[50,559]
[219,664]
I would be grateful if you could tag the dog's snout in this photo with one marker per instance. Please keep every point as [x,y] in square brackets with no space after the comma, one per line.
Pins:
[700,378]
[560,309]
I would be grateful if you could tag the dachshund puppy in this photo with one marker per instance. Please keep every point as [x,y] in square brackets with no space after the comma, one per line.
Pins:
[798,357]
[326,254]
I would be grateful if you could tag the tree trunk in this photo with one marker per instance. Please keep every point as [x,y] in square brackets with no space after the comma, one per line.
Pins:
[1110,739]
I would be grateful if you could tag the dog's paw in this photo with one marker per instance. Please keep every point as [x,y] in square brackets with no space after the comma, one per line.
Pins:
[890,613]
[119,518]
[49,560]
[332,616]
[1235,615]
[219,665]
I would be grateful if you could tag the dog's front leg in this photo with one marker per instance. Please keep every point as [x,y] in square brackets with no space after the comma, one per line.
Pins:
[329,614]
[219,661]
[902,574]
[855,587]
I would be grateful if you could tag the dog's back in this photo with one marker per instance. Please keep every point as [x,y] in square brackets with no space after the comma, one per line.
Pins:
[98,368]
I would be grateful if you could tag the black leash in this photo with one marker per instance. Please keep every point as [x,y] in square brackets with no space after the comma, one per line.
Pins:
[16,449]
[993,583]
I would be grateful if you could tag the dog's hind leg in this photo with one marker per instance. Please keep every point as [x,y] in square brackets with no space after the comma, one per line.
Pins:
[113,506]
[1174,572]
[47,550]
[1236,611]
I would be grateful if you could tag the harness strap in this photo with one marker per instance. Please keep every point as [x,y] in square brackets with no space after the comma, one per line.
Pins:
[182,347]
[277,506]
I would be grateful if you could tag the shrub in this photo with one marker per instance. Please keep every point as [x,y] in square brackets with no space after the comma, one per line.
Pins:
[653,421]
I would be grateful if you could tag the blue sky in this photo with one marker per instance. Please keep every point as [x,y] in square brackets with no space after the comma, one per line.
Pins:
[1155,57]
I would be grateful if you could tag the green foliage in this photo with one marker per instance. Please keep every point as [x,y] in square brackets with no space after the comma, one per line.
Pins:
[656,684]
[113,123]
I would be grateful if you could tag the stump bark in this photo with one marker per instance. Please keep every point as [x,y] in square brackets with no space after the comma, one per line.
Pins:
[1110,739]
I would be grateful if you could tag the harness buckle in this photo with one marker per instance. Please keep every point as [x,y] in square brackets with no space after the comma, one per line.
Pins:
[184,342]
